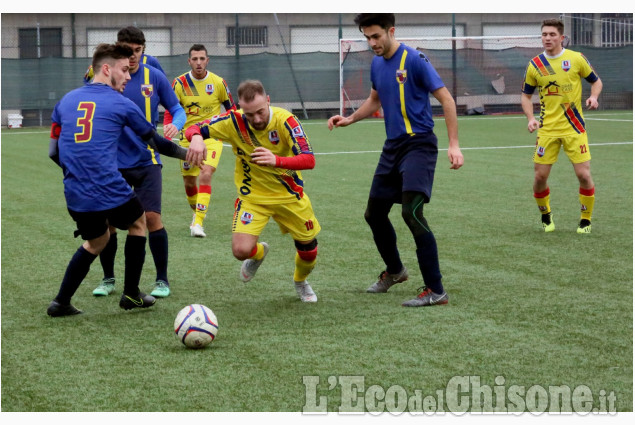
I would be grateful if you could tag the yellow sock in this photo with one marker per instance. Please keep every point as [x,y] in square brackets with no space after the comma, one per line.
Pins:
[258,252]
[542,199]
[587,200]
[302,268]
[191,195]
[202,203]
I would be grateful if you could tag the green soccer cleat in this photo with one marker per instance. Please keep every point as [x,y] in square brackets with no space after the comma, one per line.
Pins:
[584,226]
[106,286]
[161,289]
[547,223]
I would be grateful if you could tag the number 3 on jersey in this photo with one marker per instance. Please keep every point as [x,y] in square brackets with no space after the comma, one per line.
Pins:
[85,122]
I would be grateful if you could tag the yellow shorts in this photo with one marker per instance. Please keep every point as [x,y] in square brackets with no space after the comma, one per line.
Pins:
[295,218]
[575,146]
[214,151]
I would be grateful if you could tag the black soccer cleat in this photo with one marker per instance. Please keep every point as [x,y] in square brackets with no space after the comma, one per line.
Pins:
[58,310]
[140,301]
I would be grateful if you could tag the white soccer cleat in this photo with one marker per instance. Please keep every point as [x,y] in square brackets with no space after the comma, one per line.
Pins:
[305,292]
[250,267]
[197,231]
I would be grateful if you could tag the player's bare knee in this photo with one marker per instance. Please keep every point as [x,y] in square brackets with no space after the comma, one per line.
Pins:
[242,252]
[153,221]
[138,228]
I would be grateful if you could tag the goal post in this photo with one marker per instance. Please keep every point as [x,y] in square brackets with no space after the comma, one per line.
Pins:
[484,74]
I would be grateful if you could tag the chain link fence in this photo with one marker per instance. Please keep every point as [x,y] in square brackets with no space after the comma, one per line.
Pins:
[296,56]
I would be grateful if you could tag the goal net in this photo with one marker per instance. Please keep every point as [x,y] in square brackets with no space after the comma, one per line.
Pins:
[484,74]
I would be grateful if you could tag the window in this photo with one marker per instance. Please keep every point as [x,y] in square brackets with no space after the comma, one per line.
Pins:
[582,29]
[247,36]
[40,42]
[617,29]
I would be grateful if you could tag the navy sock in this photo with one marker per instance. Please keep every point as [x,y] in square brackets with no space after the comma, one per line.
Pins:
[428,256]
[135,252]
[107,257]
[384,235]
[158,241]
[76,271]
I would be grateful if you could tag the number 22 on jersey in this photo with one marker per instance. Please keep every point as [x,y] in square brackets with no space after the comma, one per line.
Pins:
[85,122]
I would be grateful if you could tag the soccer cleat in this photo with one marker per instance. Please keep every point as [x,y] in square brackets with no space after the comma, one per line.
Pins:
[197,231]
[140,301]
[250,267]
[161,289]
[305,292]
[106,286]
[56,309]
[547,223]
[385,280]
[584,226]
[426,298]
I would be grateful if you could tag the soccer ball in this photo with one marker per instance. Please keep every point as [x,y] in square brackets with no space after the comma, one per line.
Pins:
[196,326]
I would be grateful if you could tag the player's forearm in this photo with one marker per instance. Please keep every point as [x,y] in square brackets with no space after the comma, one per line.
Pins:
[451,121]
[527,106]
[596,88]
[165,146]
[369,107]
[304,161]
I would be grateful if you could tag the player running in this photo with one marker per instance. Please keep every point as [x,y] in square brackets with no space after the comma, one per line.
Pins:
[201,93]
[271,148]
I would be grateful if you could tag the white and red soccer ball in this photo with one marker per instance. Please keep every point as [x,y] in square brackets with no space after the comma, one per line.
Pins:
[196,326]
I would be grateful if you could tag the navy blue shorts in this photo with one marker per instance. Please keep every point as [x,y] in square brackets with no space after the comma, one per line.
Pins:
[93,224]
[406,165]
[147,185]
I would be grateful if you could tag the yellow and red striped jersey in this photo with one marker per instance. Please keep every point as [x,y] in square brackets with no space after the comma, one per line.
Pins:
[202,99]
[559,83]
[284,136]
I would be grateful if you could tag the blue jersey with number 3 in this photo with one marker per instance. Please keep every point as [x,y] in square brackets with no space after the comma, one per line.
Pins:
[92,119]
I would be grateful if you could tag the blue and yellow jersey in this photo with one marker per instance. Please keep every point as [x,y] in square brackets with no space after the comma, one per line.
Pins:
[284,136]
[404,83]
[202,99]
[147,88]
[91,119]
[559,83]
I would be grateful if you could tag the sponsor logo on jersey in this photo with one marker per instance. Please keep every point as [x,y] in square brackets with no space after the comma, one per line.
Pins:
[402,75]
[147,90]
[566,65]
[541,151]
[246,218]
[209,88]
[298,132]
[186,165]
[273,137]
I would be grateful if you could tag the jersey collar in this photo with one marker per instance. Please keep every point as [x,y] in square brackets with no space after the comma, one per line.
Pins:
[556,56]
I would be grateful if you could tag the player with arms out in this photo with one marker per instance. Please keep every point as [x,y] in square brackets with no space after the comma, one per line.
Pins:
[87,123]
[558,74]
[402,79]
[271,148]
[141,165]
[201,93]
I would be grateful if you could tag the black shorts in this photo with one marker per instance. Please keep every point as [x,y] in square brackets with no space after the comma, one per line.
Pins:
[406,165]
[147,185]
[93,224]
